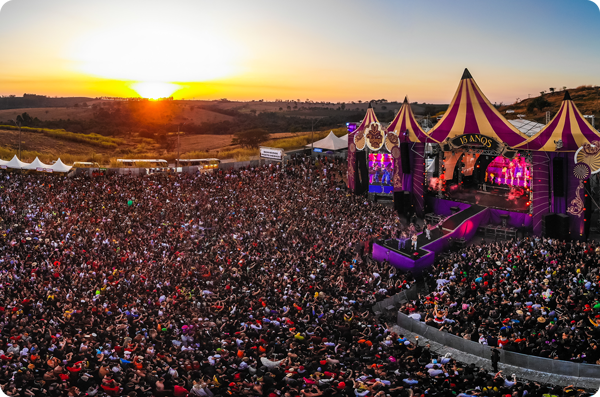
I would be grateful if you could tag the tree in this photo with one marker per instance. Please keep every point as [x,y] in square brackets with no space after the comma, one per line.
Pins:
[251,138]
[552,89]
[343,106]
[539,103]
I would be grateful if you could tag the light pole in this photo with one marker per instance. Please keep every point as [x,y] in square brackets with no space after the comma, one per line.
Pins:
[178,147]
[18,124]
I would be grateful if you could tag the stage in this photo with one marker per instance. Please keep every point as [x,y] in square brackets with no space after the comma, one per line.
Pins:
[460,226]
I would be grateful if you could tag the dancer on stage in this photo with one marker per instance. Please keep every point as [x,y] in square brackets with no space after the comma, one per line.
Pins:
[402,241]
[414,242]
[426,229]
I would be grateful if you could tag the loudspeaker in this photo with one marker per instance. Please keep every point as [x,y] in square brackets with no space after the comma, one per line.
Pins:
[402,202]
[562,226]
[548,222]
[361,178]
[558,179]
[404,155]
[587,214]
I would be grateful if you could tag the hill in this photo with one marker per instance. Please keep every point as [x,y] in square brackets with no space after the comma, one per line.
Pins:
[586,98]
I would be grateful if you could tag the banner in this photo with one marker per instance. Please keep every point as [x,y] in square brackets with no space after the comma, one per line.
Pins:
[271,153]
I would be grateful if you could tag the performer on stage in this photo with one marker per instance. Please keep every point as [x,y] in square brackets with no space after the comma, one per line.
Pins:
[387,175]
[402,241]
[414,242]
[426,229]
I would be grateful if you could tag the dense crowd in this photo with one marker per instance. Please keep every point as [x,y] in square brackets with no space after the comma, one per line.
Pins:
[251,282]
[532,296]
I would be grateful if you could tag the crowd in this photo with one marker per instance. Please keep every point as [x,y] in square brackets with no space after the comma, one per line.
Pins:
[533,296]
[253,282]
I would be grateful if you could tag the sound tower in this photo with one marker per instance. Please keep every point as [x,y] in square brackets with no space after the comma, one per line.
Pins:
[549,225]
[587,213]
[404,155]
[562,227]
[558,177]
[361,178]
[402,202]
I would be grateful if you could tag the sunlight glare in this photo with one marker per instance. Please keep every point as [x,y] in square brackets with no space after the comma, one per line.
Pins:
[154,90]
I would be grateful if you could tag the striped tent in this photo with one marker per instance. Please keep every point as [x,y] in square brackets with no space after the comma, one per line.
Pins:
[567,131]
[405,121]
[369,118]
[472,113]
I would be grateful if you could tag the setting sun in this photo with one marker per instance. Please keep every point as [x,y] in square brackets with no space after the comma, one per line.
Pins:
[155,90]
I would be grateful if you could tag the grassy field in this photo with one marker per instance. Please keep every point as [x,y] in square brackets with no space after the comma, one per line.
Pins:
[48,145]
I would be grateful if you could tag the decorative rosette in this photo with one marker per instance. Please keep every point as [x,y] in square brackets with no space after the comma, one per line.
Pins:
[395,152]
[391,141]
[590,155]
[352,147]
[375,137]
[359,140]
[581,171]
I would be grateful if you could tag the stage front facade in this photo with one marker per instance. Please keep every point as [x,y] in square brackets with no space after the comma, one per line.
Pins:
[474,158]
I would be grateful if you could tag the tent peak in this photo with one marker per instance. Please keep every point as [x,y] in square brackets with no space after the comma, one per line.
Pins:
[567,96]
[370,105]
[406,99]
[466,75]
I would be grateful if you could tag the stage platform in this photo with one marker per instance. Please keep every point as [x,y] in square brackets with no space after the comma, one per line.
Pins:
[460,226]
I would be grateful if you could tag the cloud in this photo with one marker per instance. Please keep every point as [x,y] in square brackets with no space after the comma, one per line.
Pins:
[597,2]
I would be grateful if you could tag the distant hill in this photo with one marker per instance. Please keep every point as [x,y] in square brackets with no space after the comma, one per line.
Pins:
[586,98]
[39,101]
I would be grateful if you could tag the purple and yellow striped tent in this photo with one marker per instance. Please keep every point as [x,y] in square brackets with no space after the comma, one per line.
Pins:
[567,131]
[405,121]
[370,117]
[472,113]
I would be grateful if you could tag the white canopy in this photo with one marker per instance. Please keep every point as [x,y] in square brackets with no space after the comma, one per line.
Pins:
[35,164]
[331,142]
[3,162]
[59,166]
[15,163]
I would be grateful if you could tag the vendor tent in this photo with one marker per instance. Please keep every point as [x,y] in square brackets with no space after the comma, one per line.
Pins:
[566,132]
[472,113]
[16,164]
[330,142]
[35,164]
[405,122]
[59,166]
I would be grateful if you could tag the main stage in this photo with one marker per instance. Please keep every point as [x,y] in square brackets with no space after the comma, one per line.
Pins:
[460,226]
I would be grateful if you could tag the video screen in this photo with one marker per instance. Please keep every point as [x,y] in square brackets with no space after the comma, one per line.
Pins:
[503,171]
[381,173]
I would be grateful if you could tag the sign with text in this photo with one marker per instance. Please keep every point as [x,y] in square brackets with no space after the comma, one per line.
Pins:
[476,140]
[271,153]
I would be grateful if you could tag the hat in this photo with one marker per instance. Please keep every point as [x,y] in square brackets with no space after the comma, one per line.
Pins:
[341,385]
[541,320]
[323,362]
[520,312]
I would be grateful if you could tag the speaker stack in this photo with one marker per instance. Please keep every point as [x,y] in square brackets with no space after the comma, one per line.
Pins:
[361,177]
[402,202]
[558,177]
[404,155]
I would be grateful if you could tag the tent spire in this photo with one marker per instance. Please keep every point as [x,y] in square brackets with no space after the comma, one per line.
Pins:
[567,96]
[370,106]
[466,75]
[406,99]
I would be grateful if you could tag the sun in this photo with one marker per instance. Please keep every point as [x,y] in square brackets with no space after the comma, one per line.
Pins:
[154,90]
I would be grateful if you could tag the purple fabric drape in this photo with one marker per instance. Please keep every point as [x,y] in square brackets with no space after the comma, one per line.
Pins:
[576,223]
[351,162]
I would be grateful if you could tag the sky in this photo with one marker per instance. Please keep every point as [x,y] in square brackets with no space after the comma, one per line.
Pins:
[325,50]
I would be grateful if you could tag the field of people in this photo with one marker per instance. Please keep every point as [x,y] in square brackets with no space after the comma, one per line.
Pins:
[255,282]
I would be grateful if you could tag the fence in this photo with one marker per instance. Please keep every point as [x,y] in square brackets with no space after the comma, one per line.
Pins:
[557,367]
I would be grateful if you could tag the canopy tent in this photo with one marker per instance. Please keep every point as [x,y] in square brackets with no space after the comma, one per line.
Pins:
[345,139]
[3,162]
[330,142]
[566,132]
[59,166]
[16,164]
[405,121]
[472,113]
[35,164]
[527,127]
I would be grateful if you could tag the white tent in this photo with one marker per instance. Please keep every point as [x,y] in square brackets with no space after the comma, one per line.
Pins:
[35,165]
[330,142]
[345,138]
[59,166]
[15,163]
[3,162]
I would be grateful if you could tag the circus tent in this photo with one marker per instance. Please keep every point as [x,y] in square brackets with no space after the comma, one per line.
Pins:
[470,112]
[405,121]
[566,132]
[370,117]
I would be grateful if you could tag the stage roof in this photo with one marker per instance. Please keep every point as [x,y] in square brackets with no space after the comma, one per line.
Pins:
[470,112]
[405,121]
[569,126]
[527,127]
[369,118]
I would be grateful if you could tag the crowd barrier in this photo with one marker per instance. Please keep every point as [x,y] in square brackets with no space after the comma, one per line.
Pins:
[557,367]
[401,297]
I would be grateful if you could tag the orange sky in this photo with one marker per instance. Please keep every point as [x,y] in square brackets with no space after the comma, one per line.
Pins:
[334,51]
